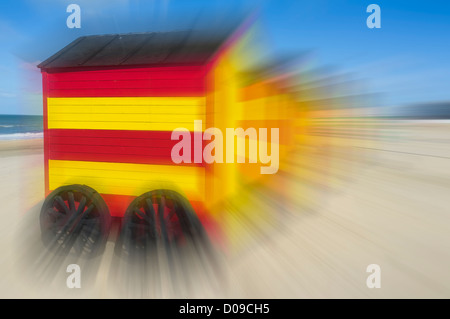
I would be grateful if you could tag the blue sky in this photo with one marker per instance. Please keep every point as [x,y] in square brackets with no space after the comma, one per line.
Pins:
[406,61]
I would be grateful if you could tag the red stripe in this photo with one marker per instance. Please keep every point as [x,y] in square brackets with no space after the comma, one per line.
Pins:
[108,92]
[143,147]
[117,204]
[142,82]
[188,72]
[135,84]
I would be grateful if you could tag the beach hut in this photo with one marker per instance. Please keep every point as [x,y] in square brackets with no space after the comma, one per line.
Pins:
[111,103]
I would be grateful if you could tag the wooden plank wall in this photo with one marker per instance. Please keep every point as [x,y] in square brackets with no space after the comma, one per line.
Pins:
[110,129]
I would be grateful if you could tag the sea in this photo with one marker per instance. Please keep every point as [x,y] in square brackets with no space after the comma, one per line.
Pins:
[19,127]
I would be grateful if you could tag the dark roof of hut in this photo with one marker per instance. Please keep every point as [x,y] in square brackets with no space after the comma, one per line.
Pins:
[178,47]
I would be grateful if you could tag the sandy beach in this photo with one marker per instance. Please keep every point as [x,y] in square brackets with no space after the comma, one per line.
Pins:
[352,202]
[22,188]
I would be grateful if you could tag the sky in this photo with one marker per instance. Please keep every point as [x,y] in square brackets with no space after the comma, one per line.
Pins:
[406,61]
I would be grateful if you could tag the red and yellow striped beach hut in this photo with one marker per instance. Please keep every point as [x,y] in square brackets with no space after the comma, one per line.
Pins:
[111,103]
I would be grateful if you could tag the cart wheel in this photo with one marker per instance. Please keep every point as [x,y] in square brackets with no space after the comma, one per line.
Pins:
[75,217]
[159,216]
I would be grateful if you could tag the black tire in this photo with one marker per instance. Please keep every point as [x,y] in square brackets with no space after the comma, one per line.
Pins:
[143,228]
[66,227]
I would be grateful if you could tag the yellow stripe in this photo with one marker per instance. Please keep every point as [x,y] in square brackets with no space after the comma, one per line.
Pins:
[128,179]
[126,113]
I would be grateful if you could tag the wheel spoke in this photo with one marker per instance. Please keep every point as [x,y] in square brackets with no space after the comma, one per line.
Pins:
[81,206]
[74,219]
[88,210]
[63,205]
[81,220]
[170,215]
[147,227]
[161,208]
[71,202]
[142,215]
[149,209]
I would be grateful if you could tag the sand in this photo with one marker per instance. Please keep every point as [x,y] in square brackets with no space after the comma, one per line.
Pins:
[21,188]
[351,202]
